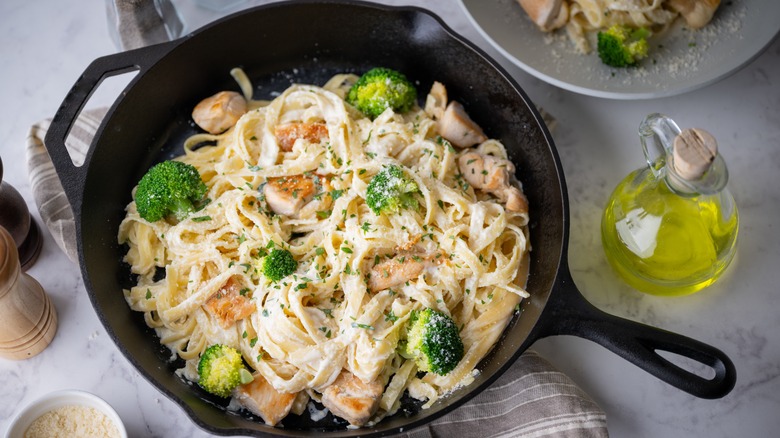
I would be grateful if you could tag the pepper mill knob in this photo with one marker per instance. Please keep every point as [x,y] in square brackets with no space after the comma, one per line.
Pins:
[15,217]
[28,320]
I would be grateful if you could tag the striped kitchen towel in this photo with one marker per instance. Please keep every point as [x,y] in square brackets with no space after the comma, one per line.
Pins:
[48,192]
[531,399]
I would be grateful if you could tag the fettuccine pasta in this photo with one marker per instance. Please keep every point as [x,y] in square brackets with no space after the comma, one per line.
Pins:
[325,318]
[593,15]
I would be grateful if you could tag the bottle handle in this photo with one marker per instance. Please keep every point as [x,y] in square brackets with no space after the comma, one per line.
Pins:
[656,133]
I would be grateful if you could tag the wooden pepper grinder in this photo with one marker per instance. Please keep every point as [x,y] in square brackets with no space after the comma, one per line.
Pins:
[15,217]
[28,320]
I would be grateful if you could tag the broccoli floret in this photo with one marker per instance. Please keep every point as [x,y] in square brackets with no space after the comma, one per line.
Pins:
[278,264]
[390,190]
[433,341]
[620,46]
[170,189]
[382,88]
[221,369]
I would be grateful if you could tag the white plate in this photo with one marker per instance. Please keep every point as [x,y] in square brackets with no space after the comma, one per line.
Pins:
[686,60]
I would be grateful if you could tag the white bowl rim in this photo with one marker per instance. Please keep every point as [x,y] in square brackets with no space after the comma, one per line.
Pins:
[57,399]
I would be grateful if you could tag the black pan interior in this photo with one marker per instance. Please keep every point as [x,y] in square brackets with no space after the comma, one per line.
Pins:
[306,42]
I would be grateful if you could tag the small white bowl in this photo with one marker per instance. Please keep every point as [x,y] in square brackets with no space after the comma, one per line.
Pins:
[58,399]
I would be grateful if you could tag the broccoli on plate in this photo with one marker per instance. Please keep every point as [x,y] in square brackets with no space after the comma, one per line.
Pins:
[170,190]
[621,46]
[221,369]
[390,190]
[382,88]
[278,264]
[433,341]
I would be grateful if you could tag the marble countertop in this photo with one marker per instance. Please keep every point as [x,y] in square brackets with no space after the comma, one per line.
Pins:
[46,44]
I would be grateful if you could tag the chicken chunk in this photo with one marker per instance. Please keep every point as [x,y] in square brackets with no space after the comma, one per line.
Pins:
[697,13]
[395,271]
[485,172]
[219,112]
[288,133]
[406,265]
[288,194]
[261,398]
[457,127]
[548,15]
[230,303]
[352,399]
[493,175]
[436,101]
[452,122]
[515,200]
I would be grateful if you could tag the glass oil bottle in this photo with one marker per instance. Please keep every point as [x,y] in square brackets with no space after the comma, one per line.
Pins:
[671,228]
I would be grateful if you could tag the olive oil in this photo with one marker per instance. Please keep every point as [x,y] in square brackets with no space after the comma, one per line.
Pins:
[666,235]
[662,243]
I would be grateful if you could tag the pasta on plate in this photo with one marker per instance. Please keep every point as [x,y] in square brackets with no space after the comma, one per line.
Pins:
[338,319]
[592,15]
[581,17]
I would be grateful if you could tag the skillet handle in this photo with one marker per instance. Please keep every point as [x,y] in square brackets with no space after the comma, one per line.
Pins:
[71,176]
[572,314]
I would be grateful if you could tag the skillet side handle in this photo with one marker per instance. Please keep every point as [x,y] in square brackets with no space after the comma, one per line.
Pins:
[638,343]
[71,176]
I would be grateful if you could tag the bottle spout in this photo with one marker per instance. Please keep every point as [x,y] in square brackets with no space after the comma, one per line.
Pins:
[659,134]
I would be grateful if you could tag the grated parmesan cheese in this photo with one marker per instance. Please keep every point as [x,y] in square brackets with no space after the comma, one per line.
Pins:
[72,421]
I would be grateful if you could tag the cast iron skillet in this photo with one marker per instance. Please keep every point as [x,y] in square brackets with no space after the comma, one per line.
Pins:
[308,41]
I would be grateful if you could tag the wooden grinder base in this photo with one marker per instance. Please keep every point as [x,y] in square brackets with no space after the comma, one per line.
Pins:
[28,320]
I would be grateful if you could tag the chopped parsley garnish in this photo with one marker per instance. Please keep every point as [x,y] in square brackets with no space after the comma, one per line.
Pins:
[390,316]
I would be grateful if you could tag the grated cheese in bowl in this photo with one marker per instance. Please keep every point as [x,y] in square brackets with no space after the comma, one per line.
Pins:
[72,421]
[67,414]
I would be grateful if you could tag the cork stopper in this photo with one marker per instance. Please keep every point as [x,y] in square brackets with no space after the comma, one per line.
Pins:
[28,320]
[694,152]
